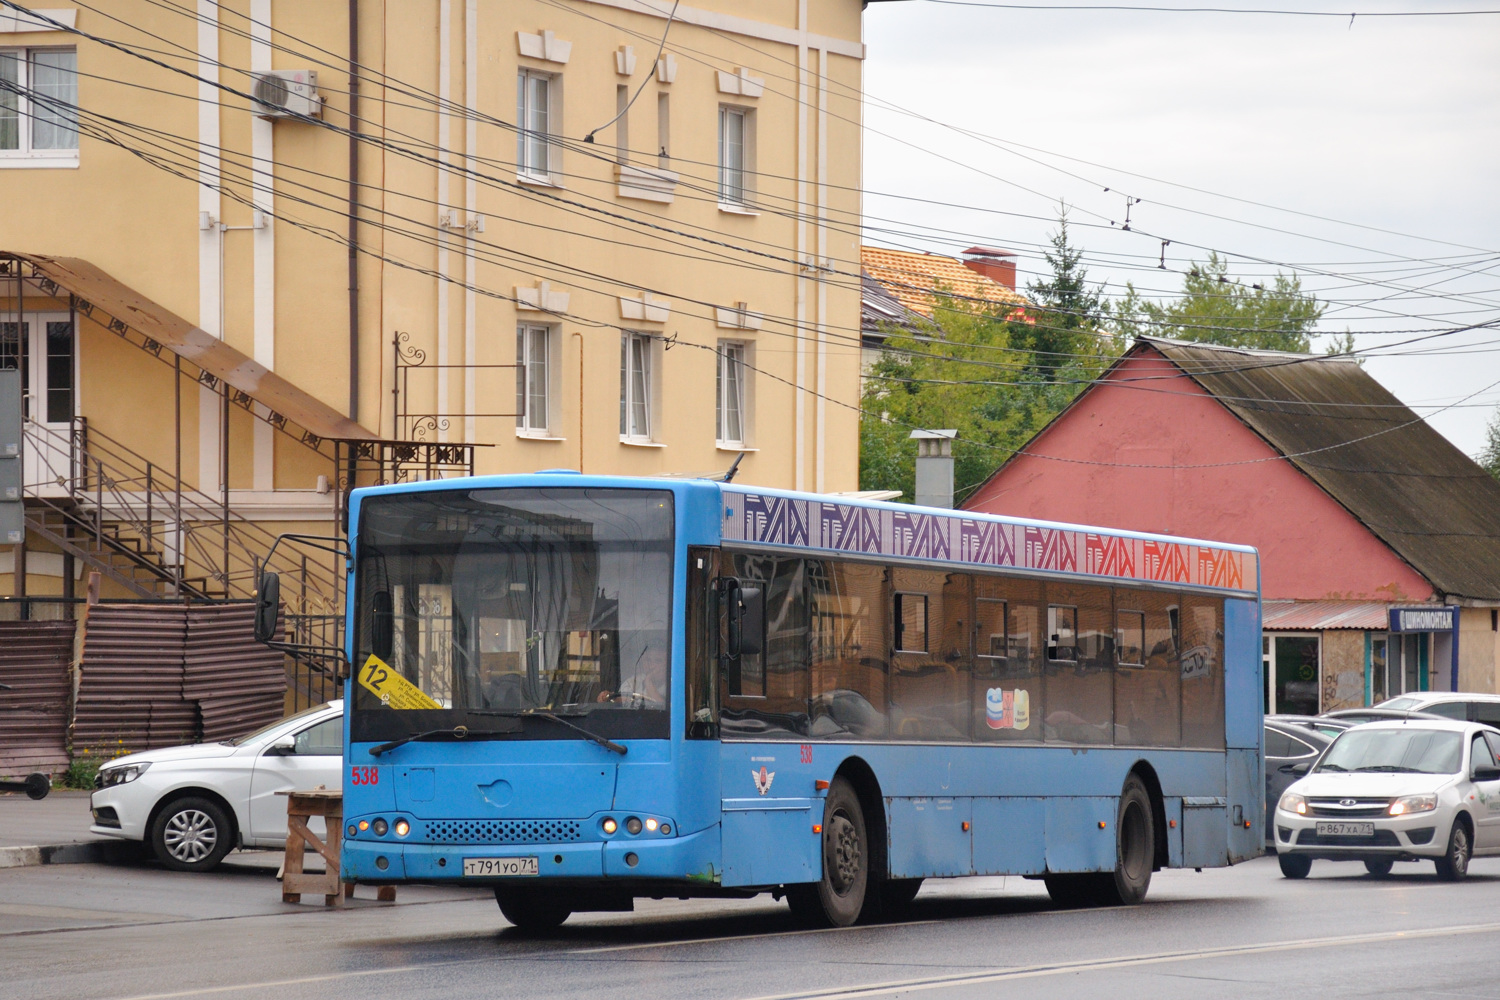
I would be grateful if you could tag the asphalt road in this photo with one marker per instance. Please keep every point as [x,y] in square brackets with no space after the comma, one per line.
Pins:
[81,932]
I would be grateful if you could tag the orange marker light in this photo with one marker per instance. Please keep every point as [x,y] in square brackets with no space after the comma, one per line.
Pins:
[966,826]
[1101,824]
[817,828]
[1172,823]
[820,785]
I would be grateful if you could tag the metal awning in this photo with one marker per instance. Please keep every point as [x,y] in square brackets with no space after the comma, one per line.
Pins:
[1315,616]
[127,311]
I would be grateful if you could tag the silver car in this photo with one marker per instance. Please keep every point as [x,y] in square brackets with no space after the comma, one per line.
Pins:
[1395,791]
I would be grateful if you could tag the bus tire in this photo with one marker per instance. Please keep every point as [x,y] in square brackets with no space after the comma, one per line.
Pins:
[896,894]
[1072,891]
[1135,848]
[531,911]
[838,898]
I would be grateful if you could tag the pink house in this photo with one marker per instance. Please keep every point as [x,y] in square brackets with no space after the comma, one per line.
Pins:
[1358,509]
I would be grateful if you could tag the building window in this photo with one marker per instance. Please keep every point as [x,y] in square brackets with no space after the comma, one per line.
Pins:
[1130,638]
[635,387]
[536,152]
[664,130]
[38,104]
[533,379]
[736,143]
[1062,633]
[729,395]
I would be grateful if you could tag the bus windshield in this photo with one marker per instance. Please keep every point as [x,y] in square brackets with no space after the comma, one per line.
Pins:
[502,601]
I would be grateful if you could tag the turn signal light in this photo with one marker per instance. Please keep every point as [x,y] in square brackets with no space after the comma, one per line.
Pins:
[1101,824]
[817,828]
[820,785]
[966,826]
[364,824]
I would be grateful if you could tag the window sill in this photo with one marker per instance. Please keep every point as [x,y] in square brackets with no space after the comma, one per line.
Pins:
[739,449]
[535,436]
[541,182]
[635,443]
[729,209]
[10,162]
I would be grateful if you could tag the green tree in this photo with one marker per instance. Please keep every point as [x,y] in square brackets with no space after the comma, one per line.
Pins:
[1066,313]
[1217,309]
[1489,456]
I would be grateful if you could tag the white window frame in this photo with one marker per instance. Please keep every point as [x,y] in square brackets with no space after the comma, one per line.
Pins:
[528,149]
[637,394]
[26,155]
[531,383]
[734,356]
[736,160]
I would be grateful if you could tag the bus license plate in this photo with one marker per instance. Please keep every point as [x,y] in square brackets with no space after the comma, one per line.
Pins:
[483,867]
[1346,829]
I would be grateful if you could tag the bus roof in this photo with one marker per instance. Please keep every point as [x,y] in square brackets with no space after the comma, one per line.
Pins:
[763,516]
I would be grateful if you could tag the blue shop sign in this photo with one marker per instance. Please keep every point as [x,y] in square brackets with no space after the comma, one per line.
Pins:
[1429,619]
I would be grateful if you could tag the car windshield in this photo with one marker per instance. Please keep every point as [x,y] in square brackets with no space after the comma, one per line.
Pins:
[306,713]
[1400,704]
[1407,750]
[502,601]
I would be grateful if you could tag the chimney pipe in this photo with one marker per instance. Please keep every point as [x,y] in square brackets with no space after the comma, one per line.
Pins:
[934,467]
[997,265]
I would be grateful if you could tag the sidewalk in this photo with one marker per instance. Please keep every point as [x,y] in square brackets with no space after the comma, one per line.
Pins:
[55,831]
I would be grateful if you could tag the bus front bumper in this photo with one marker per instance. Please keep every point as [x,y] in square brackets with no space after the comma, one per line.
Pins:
[691,858]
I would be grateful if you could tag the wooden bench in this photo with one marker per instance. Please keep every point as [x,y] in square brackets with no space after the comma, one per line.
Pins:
[302,805]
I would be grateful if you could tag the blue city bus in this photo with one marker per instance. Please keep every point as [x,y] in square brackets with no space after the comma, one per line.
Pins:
[584,690]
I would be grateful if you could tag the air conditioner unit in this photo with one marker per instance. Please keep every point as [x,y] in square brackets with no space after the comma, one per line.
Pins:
[287,93]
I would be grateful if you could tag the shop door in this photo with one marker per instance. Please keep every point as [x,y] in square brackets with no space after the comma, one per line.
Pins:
[41,345]
[1296,659]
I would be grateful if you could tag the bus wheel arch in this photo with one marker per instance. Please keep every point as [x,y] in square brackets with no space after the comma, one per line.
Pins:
[1144,771]
[858,773]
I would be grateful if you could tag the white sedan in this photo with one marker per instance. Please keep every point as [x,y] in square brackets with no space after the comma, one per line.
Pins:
[193,804]
[1396,791]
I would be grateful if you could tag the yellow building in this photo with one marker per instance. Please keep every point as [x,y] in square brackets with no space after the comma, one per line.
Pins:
[253,251]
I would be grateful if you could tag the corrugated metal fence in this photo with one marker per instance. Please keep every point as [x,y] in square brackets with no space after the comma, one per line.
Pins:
[152,675]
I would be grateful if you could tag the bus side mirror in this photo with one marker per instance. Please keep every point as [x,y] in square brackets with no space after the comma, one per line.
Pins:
[383,624]
[267,607]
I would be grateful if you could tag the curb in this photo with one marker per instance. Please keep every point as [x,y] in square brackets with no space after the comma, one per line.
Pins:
[91,852]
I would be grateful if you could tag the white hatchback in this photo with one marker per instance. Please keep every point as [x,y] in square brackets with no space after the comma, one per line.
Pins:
[195,803]
[1396,791]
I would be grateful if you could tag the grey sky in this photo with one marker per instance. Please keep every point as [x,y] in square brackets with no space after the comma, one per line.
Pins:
[1390,123]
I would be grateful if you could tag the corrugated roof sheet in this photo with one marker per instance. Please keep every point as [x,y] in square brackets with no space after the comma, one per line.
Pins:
[1431,503]
[878,309]
[914,279]
[1319,615]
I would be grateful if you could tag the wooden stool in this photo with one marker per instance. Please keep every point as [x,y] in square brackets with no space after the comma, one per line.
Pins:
[301,806]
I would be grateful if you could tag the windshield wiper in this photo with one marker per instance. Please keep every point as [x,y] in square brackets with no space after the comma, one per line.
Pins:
[1331,767]
[542,713]
[1401,768]
[457,732]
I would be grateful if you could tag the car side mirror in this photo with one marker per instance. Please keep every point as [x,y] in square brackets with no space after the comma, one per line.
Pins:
[267,607]
[1482,773]
[283,747]
[1301,769]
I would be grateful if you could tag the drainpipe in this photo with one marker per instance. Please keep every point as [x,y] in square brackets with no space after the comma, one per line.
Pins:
[934,468]
[353,215]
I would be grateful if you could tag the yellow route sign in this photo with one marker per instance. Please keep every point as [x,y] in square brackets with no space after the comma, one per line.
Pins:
[393,690]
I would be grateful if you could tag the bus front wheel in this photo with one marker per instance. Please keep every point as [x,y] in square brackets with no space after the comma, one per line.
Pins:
[838,898]
[530,911]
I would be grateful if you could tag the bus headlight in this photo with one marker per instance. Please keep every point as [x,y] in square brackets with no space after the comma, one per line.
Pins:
[1408,804]
[402,828]
[609,825]
[1293,803]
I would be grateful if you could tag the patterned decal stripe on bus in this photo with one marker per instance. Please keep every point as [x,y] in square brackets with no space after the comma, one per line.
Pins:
[837,527]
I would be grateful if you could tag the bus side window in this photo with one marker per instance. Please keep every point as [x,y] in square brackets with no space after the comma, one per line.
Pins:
[702,645]
[930,664]
[1148,685]
[1005,703]
[1202,662]
[850,647]
[1080,664]
[765,693]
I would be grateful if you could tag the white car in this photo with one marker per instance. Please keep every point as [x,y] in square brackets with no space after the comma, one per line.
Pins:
[1396,791]
[193,804]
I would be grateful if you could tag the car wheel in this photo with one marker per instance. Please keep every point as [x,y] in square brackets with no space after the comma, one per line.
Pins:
[838,898]
[530,911]
[1454,865]
[1380,868]
[1294,865]
[191,835]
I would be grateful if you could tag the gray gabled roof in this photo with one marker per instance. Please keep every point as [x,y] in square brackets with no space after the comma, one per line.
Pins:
[1432,504]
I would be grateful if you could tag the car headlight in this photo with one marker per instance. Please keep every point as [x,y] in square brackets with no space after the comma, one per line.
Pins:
[1293,803]
[111,776]
[1408,804]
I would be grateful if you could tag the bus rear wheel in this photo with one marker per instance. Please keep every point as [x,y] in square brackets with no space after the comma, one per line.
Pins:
[530,911]
[1135,848]
[838,898]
